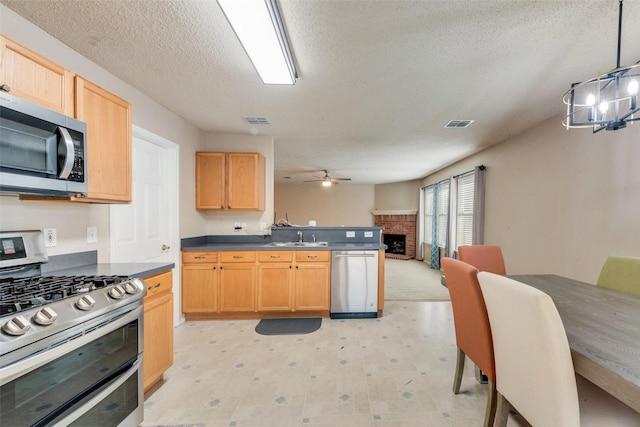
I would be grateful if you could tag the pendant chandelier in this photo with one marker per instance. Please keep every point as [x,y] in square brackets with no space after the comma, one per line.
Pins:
[609,101]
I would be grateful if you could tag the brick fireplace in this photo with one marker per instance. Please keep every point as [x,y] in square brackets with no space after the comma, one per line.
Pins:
[398,223]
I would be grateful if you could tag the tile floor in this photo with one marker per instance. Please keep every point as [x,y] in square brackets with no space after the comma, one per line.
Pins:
[393,371]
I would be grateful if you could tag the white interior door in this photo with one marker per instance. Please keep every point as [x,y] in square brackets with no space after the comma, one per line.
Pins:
[146,229]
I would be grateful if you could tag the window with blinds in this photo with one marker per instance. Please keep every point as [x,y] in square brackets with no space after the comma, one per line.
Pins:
[465,210]
[443,213]
[428,214]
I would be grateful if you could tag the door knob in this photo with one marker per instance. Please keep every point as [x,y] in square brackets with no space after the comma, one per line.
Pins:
[165,247]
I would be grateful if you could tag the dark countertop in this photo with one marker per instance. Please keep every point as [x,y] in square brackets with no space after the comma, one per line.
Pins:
[267,247]
[115,269]
[338,238]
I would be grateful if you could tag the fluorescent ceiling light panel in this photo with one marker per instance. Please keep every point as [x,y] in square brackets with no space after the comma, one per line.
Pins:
[258,25]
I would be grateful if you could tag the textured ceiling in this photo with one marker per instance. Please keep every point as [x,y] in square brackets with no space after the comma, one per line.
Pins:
[378,79]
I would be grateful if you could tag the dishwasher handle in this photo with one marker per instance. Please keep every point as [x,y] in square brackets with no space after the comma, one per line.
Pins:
[355,256]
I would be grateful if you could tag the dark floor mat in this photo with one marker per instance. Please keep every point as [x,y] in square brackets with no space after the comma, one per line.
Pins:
[288,326]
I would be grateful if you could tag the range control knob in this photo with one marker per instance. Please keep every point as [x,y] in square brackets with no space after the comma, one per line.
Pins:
[134,286]
[45,317]
[16,326]
[117,292]
[85,303]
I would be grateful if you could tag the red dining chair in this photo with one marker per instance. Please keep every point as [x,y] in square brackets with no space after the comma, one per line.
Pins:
[483,257]
[534,369]
[473,334]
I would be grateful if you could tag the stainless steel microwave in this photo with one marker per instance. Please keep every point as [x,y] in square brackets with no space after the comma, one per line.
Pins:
[41,151]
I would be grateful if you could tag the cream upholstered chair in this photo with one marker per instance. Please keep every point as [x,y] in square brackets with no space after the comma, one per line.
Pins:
[483,257]
[473,334]
[621,273]
[534,370]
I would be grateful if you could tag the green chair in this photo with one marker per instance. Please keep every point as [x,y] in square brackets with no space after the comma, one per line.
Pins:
[621,273]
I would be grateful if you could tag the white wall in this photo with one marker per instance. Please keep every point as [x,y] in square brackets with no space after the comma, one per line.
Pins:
[561,201]
[71,219]
[344,204]
[398,196]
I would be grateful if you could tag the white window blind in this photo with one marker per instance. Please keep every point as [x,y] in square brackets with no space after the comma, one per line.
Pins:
[465,210]
[428,214]
[443,213]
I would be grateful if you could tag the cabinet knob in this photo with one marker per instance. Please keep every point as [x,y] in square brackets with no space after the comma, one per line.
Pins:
[5,88]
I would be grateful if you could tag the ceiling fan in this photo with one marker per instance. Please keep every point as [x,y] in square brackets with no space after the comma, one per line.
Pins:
[327,181]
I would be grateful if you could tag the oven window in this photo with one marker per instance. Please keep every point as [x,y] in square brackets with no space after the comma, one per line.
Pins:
[40,396]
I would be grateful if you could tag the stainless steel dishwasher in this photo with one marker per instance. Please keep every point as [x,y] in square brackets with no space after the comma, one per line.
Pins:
[354,284]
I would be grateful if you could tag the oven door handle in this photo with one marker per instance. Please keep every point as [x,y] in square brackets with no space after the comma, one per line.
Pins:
[24,366]
[90,404]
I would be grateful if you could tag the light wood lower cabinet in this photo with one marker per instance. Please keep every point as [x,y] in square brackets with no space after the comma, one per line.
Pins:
[237,281]
[275,281]
[312,280]
[200,282]
[242,282]
[158,328]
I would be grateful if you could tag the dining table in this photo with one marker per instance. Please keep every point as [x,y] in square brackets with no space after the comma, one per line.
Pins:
[603,330]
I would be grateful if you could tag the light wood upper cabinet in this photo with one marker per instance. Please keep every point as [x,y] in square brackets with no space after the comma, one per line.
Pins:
[108,119]
[33,77]
[158,328]
[230,181]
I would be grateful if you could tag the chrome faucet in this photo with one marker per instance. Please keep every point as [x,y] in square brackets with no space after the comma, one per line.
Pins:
[300,236]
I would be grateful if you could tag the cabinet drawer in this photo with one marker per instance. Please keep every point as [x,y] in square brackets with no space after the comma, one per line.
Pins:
[194,256]
[158,283]
[313,256]
[275,256]
[237,256]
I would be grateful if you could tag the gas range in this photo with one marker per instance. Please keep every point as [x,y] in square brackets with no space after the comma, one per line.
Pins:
[70,346]
[33,307]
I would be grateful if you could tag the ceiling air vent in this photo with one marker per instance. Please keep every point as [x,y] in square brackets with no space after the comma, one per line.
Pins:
[458,123]
[257,120]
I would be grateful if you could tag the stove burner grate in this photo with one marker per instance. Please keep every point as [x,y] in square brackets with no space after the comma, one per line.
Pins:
[21,294]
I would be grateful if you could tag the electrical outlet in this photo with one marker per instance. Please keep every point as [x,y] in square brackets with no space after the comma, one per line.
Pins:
[368,234]
[237,226]
[351,234]
[92,234]
[50,237]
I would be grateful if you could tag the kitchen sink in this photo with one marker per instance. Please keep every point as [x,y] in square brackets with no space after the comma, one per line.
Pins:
[297,244]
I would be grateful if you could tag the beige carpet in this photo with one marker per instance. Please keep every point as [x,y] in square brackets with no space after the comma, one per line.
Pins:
[412,280]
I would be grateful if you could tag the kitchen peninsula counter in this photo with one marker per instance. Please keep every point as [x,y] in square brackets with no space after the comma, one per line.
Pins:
[336,238]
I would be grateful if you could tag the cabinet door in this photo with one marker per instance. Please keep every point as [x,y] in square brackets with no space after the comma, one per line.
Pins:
[210,181]
[275,285]
[108,121]
[199,288]
[245,185]
[237,287]
[312,286]
[158,338]
[36,79]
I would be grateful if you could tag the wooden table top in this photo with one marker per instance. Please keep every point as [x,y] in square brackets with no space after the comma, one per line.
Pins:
[603,330]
